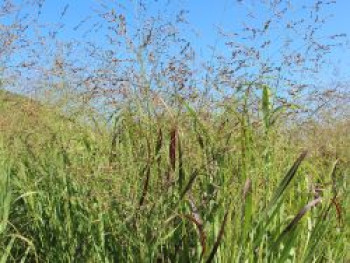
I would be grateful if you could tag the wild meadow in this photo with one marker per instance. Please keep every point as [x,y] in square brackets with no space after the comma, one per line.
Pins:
[153,168]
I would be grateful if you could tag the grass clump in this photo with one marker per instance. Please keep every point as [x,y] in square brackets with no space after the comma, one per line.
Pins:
[170,187]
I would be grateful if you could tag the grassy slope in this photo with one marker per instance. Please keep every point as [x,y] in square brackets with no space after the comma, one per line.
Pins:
[165,190]
[22,116]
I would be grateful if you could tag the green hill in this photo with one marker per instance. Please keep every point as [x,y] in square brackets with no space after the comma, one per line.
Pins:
[19,114]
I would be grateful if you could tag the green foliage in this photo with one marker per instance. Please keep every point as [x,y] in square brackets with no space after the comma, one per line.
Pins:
[168,188]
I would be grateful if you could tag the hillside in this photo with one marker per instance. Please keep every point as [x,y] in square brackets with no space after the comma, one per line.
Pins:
[18,113]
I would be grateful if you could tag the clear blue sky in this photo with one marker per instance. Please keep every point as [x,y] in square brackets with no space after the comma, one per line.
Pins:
[204,16]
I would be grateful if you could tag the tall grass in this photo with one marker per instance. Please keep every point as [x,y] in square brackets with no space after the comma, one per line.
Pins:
[229,186]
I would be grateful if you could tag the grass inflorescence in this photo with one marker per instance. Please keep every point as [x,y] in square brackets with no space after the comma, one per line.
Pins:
[180,186]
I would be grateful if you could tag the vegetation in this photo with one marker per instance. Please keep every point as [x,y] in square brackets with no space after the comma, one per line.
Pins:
[174,188]
[171,175]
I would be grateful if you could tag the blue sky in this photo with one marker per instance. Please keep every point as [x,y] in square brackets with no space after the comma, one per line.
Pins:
[204,16]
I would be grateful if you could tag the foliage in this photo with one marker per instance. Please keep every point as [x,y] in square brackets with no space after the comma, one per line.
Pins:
[187,188]
[134,149]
